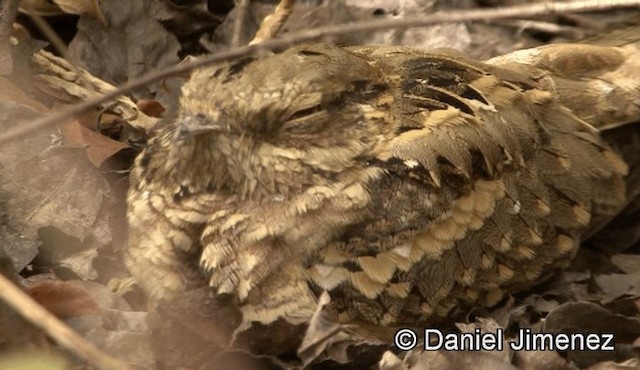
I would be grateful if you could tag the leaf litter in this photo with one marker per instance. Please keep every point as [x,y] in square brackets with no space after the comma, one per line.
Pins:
[62,193]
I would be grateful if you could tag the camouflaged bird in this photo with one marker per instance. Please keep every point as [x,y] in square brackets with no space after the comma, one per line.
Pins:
[401,182]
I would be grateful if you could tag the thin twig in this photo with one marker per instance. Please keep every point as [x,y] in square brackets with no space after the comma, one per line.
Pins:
[521,11]
[48,32]
[273,22]
[7,17]
[242,6]
[56,329]
[547,27]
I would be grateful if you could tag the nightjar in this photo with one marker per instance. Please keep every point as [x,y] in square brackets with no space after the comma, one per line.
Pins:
[403,183]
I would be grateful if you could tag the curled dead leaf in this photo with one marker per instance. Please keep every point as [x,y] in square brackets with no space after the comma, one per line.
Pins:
[151,108]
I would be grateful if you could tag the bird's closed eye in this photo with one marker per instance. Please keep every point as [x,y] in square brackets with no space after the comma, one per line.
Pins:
[306,121]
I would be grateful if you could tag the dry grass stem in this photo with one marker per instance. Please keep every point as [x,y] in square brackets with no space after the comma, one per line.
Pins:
[272,23]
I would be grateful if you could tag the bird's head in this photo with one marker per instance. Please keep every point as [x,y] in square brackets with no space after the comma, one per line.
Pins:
[274,126]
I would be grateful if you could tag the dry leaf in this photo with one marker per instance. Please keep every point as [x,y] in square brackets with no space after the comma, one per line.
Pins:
[63,300]
[116,56]
[10,92]
[99,148]
[59,7]
[40,7]
[151,108]
[629,263]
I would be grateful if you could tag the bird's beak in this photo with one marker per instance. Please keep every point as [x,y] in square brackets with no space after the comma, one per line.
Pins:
[194,125]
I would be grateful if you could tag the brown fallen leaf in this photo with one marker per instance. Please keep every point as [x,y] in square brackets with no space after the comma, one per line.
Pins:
[45,185]
[151,108]
[587,318]
[63,300]
[10,92]
[99,147]
[631,364]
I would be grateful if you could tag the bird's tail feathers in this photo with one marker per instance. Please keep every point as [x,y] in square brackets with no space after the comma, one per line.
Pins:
[598,79]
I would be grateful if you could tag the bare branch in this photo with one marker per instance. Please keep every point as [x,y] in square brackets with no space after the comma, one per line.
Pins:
[521,11]
[56,329]
[58,77]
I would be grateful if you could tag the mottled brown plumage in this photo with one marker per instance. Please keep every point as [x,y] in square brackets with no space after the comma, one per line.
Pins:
[401,182]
